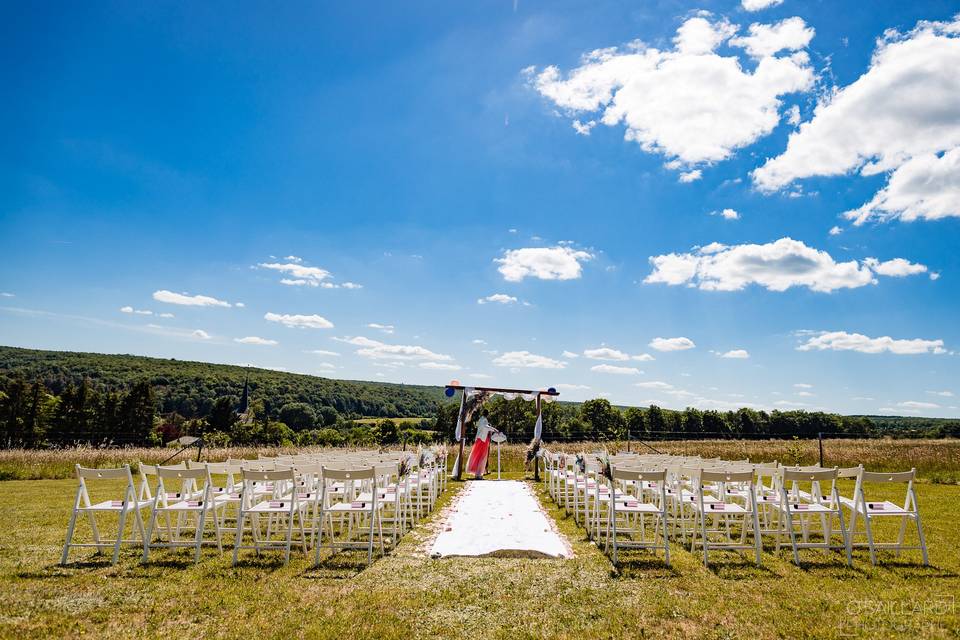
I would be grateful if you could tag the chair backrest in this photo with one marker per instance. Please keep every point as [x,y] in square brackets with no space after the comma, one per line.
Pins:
[850,472]
[363,473]
[878,476]
[268,476]
[637,475]
[818,475]
[116,473]
[734,475]
[182,474]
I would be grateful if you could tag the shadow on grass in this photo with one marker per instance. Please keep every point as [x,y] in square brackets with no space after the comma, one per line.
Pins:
[649,567]
[342,565]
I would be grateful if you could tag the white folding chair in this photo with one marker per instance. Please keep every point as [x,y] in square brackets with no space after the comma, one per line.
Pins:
[351,515]
[724,512]
[126,505]
[195,500]
[628,513]
[869,510]
[794,510]
[289,503]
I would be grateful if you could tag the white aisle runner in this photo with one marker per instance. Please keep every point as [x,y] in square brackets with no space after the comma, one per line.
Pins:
[493,516]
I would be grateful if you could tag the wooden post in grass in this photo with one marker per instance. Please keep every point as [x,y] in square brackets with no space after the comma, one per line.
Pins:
[820,443]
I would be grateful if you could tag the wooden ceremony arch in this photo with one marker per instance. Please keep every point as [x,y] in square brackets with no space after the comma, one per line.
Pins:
[454,386]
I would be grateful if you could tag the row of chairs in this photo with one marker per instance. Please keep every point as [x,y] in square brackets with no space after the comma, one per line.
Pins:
[360,500]
[644,501]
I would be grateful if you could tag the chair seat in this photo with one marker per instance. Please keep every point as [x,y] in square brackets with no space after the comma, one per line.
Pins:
[117,505]
[809,507]
[635,507]
[276,506]
[348,507]
[721,508]
[885,508]
[190,505]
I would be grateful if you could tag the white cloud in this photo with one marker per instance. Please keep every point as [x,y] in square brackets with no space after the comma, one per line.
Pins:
[256,340]
[140,312]
[605,353]
[690,176]
[239,305]
[169,315]
[934,275]
[896,268]
[898,118]
[500,298]
[528,360]
[913,404]
[729,214]
[789,403]
[293,259]
[545,263]
[478,341]
[386,328]
[805,394]
[351,285]
[926,186]
[655,384]
[375,349]
[200,334]
[672,344]
[440,366]
[326,365]
[942,394]
[835,230]
[737,354]
[299,321]
[768,39]
[571,387]
[757,5]
[776,266]
[843,341]
[617,370]
[802,385]
[689,103]
[570,354]
[299,275]
[186,299]
[6,294]
[643,357]
[793,115]
[583,128]
[322,352]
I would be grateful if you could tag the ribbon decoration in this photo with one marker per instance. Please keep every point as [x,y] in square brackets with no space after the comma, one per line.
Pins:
[538,428]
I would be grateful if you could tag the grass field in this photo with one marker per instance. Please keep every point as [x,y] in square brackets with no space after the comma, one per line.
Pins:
[408,594]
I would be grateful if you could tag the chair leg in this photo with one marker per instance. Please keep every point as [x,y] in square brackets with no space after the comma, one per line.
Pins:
[66,546]
[923,541]
[116,546]
[873,553]
[198,539]
[238,538]
[149,537]
[846,538]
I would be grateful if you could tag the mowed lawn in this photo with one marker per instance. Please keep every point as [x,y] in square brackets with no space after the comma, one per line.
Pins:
[410,595]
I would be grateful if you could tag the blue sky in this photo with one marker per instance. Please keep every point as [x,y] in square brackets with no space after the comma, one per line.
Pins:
[771,190]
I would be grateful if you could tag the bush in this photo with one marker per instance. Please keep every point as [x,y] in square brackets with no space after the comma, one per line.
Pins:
[320,437]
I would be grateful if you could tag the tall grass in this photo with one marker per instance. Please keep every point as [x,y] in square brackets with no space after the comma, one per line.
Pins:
[935,460]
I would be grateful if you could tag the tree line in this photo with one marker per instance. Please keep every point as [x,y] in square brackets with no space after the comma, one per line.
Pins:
[50,399]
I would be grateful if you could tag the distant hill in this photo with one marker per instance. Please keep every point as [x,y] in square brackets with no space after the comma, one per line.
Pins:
[190,388]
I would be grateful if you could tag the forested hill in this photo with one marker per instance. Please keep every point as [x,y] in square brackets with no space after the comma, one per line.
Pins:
[190,388]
